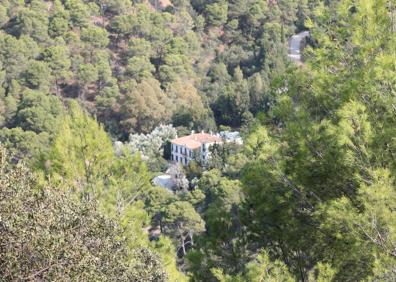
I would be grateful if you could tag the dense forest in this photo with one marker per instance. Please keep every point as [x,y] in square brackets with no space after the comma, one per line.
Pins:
[91,92]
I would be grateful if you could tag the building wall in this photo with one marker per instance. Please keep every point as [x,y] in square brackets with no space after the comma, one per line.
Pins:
[183,155]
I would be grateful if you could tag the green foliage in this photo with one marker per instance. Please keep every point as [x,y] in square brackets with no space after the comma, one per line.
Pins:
[91,49]
[79,12]
[221,155]
[216,13]
[25,145]
[139,68]
[14,55]
[261,269]
[315,174]
[62,237]
[83,160]
[95,37]
[182,222]
[145,106]
[38,75]
[309,197]
[368,228]
[87,73]
[222,245]
[39,112]
[193,170]
[58,59]
[81,152]
[30,21]
[59,21]
[139,47]
[166,249]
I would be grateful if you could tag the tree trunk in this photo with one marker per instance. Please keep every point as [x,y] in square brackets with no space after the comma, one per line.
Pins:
[183,246]
[57,87]
[191,238]
[160,224]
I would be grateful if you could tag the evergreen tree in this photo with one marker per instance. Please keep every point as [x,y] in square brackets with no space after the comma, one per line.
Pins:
[62,237]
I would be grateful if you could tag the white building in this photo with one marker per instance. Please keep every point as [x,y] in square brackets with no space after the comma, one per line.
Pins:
[231,137]
[165,181]
[193,146]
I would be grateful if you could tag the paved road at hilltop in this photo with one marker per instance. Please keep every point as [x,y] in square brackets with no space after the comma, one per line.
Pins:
[295,45]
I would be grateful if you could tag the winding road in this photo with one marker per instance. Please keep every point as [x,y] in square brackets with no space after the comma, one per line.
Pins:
[295,46]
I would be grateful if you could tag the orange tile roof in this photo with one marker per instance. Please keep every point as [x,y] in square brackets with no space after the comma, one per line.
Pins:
[195,141]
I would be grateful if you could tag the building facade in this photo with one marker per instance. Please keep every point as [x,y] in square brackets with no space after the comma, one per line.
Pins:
[195,146]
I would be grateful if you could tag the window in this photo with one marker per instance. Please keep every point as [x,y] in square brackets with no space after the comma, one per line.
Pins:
[185,161]
[176,148]
[172,157]
[177,158]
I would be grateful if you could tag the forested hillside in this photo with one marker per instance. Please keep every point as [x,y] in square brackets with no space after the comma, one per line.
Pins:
[135,65]
[91,92]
